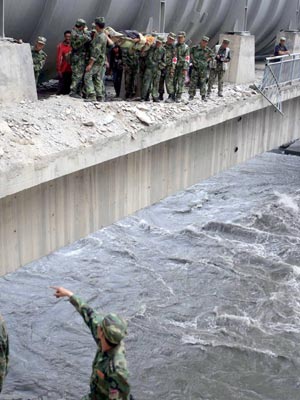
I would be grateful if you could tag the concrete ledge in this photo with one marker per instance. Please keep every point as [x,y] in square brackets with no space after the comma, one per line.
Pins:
[26,175]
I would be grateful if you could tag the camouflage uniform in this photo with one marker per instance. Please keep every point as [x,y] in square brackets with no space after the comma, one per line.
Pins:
[109,379]
[168,72]
[218,70]
[155,62]
[93,80]
[4,350]
[39,59]
[183,61]
[199,57]
[79,39]
[131,70]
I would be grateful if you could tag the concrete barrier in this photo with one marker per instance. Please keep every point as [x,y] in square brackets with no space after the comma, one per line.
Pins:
[16,73]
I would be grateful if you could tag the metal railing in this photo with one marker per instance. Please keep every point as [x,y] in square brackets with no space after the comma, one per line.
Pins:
[279,71]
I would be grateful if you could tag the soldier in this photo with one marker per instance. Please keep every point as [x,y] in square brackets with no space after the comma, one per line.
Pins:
[182,66]
[93,79]
[38,56]
[168,72]
[155,63]
[4,351]
[79,38]
[200,56]
[131,59]
[219,66]
[109,379]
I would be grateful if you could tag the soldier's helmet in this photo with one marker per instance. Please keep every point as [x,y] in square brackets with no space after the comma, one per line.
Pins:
[100,20]
[41,39]
[172,36]
[114,328]
[181,34]
[80,22]
[160,39]
[205,38]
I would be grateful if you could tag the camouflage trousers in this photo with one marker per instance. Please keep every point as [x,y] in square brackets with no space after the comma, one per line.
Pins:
[198,78]
[36,76]
[178,82]
[151,83]
[167,77]
[131,73]
[78,69]
[93,82]
[214,74]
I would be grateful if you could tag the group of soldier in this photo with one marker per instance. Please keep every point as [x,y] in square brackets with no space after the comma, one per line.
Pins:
[109,378]
[168,63]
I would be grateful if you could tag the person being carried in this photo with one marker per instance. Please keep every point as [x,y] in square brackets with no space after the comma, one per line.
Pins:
[109,379]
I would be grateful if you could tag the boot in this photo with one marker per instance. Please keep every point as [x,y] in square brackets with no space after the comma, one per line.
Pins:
[90,99]
[220,94]
[170,99]
[161,97]
[191,98]
[75,95]
[100,99]
[155,99]
[203,98]
[178,98]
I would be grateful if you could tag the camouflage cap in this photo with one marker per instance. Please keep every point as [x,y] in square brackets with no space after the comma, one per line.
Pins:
[100,20]
[114,328]
[205,38]
[227,41]
[160,39]
[80,22]
[41,39]
[181,34]
[172,36]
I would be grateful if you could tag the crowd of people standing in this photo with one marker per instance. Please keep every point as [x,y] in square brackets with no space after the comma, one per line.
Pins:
[168,64]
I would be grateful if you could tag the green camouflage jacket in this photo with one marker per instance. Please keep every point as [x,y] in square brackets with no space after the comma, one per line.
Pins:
[38,58]
[155,58]
[98,48]
[131,58]
[171,59]
[109,379]
[183,56]
[200,57]
[4,351]
[79,40]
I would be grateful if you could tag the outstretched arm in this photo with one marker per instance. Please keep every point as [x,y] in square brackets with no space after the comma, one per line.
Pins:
[91,318]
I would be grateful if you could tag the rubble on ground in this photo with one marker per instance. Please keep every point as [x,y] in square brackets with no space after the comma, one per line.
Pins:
[31,131]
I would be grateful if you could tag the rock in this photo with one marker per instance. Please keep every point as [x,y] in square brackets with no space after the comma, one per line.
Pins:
[4,128]
[108,119]
[88,123]
[143,117]
[1,152]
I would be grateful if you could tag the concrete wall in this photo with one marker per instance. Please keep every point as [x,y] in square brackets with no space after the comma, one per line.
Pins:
[38,220]
[16,73]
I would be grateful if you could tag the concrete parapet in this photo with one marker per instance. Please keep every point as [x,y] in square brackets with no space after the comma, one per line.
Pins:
[242,66]
[16,73]
[292,40]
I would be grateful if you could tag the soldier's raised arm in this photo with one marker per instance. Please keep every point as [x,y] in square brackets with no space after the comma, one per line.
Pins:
[91,318]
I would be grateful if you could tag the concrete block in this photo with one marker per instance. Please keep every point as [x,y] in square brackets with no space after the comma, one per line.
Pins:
[292,40]
[242,66]
[16,73]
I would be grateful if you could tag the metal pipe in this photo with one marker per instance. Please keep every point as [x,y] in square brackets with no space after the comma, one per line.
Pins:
[246,16]
[2,34]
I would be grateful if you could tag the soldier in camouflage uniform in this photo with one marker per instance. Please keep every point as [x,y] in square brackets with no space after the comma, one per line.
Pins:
[109,379]
[131,60]
[168,72]
[79,38]
[93,79]
[219,66]
[38,57]
[182,66]
[4,350]
[200,57]
[155,63]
